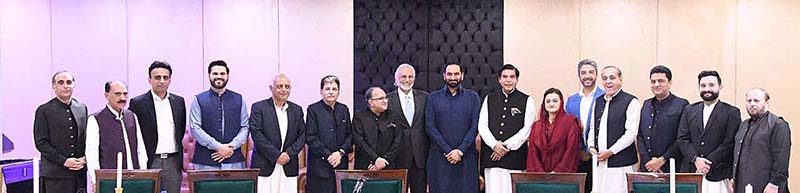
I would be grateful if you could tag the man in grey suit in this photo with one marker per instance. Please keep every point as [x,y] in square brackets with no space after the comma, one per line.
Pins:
[410,104]
[59,129]
[763,144]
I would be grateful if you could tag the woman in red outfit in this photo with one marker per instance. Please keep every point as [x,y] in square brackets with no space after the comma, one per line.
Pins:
[554,142]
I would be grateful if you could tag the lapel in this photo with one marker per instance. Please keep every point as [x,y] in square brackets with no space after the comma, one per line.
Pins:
[149,103]
[419,107]
[399,106]
[271,127]
[647,107]
[290,120]
[173,104]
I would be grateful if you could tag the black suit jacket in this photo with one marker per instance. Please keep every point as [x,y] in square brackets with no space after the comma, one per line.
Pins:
[266,135]
[415,143]
[52,137]
[145,110]
[714,142]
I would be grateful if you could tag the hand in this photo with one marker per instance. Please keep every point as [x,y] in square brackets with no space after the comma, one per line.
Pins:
[604,155]
[94,187]
[454,156]
[380,163]
[335,158]
[654,165]
[74,163]
[593,151]
[500,150]
[771,189]
[284,158]
[702,165]
[224,152]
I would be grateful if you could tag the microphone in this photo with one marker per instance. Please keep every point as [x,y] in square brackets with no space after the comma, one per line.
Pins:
[359,185]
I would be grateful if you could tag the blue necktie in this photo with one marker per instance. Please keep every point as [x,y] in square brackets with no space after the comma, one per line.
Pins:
[408,110]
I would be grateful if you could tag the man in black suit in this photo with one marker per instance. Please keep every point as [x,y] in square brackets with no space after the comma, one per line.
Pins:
[59,131]
[278,131]
[409,103]
[329,138]
[705,135]
[375,133]
[162,118]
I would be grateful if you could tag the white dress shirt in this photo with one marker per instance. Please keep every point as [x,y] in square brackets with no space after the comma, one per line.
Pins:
[631,128]
[93,145]
[165,125]
[407,100]
[707,109]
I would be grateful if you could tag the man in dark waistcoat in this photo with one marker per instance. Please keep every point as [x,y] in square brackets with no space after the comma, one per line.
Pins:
[113,130]
[504,126]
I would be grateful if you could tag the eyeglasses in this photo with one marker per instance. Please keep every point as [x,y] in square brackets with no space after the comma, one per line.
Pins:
[379,98]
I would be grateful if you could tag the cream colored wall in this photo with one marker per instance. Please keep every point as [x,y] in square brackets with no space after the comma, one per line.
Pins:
[751,43]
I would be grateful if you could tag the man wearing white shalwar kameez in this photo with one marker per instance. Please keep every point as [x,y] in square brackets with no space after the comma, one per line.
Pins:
[278,132]
[611,139]
[504,125]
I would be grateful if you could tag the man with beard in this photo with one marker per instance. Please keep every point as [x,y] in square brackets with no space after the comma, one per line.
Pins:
[763,144]
[504,125]
[114,129]
[581,105]
[705,135]
[59,131]
[451,119]
[410,104]
[616,121]
[279,133]
[329,138]
[658,125]
[219,123]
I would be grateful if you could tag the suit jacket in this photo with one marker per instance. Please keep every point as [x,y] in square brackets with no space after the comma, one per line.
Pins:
[762,151]
[145,110]
[658,130]
[714,142]
[376,136]
[266,135]
[52,133]
[415,143]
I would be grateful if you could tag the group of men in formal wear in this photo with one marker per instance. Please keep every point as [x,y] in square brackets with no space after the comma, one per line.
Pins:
[431,135]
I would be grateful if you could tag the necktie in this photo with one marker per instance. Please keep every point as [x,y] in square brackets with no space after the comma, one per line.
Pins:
[408,110]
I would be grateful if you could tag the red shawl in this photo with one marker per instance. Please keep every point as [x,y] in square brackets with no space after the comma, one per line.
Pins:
[558,151]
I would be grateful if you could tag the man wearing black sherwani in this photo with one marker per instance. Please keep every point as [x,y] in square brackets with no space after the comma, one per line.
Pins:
[59,128]
[763,144]
[376,133]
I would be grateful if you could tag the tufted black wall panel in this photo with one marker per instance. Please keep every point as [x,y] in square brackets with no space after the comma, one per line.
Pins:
[426,34]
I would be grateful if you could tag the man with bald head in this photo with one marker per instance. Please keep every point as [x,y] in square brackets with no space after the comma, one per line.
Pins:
[59,129]
[278,131]
[409,104]
[616,123]
[114,129]
[376,133]
[762,147]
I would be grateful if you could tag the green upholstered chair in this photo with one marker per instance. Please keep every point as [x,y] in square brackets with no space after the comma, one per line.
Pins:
[228,181]
[384,181]
[540,182]
[133,181]
[639,182]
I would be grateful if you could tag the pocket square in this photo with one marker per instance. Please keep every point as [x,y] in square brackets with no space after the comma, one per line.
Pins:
[515,111]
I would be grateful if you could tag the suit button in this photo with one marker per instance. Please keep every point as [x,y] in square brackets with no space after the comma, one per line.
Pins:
[702,143]
[502,124]
[503,116]
[648,138]
[71,145]
[72,154]
[741,141]
[648,150]
[71,136]
[650,127]
[501,132]
[69,118]
[504,108]
[506,100]
[70,128]
[68,110]
[701,155]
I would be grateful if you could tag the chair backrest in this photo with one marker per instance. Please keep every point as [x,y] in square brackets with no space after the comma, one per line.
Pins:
[639,182]
[383,181]
[541,182]
[228,181]
[132,180]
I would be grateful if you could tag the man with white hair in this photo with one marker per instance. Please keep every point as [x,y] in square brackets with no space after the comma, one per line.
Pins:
[410,104]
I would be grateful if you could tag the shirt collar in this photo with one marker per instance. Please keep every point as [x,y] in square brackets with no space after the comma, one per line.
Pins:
[615,94]
[116,114]
[285,106]
[712,105]
[512,92]
[459,90]
[403,95]
[580,92]
[157,98]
